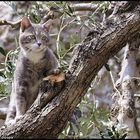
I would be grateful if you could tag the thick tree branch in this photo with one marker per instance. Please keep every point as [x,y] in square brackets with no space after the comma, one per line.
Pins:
[126,105]
[48,120]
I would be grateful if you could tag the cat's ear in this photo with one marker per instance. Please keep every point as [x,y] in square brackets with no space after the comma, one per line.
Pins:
[47,25]
[25,23]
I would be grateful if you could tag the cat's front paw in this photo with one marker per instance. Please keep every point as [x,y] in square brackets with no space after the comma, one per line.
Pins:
[56,71]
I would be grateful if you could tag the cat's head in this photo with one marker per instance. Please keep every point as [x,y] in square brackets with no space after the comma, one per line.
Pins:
[34,37]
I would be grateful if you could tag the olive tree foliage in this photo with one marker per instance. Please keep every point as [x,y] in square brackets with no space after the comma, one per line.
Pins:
[72,23]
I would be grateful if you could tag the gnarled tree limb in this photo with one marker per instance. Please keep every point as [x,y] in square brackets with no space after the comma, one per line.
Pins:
[47,120]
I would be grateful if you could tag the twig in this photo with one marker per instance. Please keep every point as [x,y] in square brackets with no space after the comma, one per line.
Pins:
[12,24]
[112,79]
[84,7]
[61,29]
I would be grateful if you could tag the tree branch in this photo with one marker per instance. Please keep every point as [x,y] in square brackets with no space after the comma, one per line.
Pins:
[126,104]
[84,7]
[12,24]
[48,120]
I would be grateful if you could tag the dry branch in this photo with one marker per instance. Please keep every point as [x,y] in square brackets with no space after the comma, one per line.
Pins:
[127,112]
[12,24]
[84,7]
[126,103]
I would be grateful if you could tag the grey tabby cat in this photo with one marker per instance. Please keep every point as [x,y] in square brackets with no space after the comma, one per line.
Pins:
[35,61]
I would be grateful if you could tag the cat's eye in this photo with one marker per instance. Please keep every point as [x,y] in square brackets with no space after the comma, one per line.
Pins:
[30,37]
[44,38]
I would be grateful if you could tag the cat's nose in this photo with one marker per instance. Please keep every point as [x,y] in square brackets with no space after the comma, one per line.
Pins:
[39,43]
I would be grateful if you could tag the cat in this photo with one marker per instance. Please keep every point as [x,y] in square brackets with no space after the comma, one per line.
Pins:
[35,61]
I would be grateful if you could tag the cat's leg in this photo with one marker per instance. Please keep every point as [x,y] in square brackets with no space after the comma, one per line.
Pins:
[11,113]
[21,102]
[54,67]
[54,71]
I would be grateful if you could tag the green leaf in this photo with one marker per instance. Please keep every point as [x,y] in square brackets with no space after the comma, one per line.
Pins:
[8,65]
[2,75]
[110,134]
[107,67]
[70,9]
[66,128]
[2,51]
[61,136]
[83,128]
[123,137]
[68,13]
[101,134]
[82,119]
[117,134]
[113,128]
[89,129]
[94,119]
[75,128]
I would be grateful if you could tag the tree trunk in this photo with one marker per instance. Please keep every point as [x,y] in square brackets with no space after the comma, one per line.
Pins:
[47,120]
[128,86]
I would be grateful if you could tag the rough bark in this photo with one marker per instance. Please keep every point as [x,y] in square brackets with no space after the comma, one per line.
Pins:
[126,104]
[48,120]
